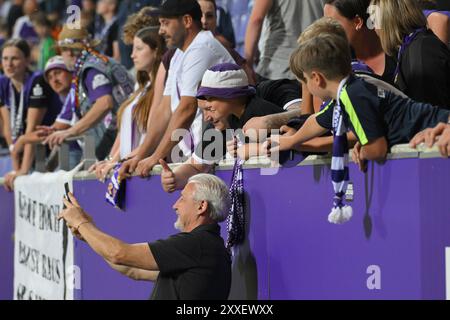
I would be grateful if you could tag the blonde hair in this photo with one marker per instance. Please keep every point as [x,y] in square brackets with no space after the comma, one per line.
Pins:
[141,112]
[396,20]
[328,54]
[146,17]
[324,25]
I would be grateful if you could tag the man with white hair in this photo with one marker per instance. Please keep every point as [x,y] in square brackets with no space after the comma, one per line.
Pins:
[193,264]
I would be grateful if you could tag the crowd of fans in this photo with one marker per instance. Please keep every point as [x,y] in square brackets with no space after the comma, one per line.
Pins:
[155,83]
[132,74]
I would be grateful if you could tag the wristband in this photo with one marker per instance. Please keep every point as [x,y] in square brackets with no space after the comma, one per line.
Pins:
[80,224]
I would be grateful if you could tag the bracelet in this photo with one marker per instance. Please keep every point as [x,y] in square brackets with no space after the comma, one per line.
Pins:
[81,223]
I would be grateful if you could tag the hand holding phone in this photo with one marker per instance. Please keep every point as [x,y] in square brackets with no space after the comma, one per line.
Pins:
[67,190]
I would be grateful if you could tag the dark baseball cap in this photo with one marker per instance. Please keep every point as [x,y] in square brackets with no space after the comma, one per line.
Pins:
[178,8]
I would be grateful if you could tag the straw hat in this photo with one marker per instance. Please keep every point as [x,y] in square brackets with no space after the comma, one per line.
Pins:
[75,38]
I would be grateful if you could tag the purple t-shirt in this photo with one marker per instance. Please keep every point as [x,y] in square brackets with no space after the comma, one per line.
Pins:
[97,85]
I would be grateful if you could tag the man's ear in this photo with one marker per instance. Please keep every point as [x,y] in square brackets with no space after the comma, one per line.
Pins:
[202,207]
[187,21]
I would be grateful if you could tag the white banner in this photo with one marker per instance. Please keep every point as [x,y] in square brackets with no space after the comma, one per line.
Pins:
[447,271]
[43,248]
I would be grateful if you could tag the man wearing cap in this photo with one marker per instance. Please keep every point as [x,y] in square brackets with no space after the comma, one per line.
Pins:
[230,104]
[99,86]
[58,76]
[197,51]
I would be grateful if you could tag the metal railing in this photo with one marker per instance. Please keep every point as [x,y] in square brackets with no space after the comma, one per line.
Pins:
[60,155]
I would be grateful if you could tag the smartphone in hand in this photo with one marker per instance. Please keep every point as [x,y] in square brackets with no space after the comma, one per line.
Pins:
[67,190]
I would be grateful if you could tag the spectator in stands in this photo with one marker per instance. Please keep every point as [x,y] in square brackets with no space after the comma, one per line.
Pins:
[423,60]
[209,20]
[5,6]
[378,118]
[23,28]
[127,8]
[26,101]
[225,25]
[197,51]
[321,144]
[353,15]
[190,265]
[88,12]
[3,33]
[230,104]
[439,136]
[47,46]
[438,21]
[133,115]
[283,21]
[107,28]
[15,12]
[59,78]
[101,85]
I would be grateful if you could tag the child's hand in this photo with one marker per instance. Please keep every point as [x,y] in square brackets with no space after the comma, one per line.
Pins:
[287,131]
[356,157]
[275,144]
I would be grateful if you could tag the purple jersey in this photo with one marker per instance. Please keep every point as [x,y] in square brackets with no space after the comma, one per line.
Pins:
[97,85]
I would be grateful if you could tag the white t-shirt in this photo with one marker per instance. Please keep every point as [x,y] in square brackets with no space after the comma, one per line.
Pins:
[185,75]
[130,135]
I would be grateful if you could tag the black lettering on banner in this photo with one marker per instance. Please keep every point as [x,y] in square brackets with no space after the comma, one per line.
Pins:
[29,257]
[22,293]
[51,269]
[47,214]
[27,209]
[48,217]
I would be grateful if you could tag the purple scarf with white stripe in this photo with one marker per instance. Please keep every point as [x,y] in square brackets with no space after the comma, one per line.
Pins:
[340,213]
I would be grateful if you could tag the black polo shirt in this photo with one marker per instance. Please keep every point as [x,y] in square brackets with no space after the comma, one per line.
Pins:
[213,147]
[193,265]
[372,113]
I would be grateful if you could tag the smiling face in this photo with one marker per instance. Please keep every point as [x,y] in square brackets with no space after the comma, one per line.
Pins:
[216,111]
[14,62]
[173,32]
[186,208]
[143,56]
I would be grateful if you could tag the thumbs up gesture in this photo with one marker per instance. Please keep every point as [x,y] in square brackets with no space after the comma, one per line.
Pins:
[167,177]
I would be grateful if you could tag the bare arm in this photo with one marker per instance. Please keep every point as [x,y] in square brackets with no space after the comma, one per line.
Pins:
[116,51]
[253,33]
[117,252]
[135,273]
[158,119]
[34,118]
[324,144]
[181,119]
[98,111]
[311,129]
[4,113]
[440,25]
[276,121]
